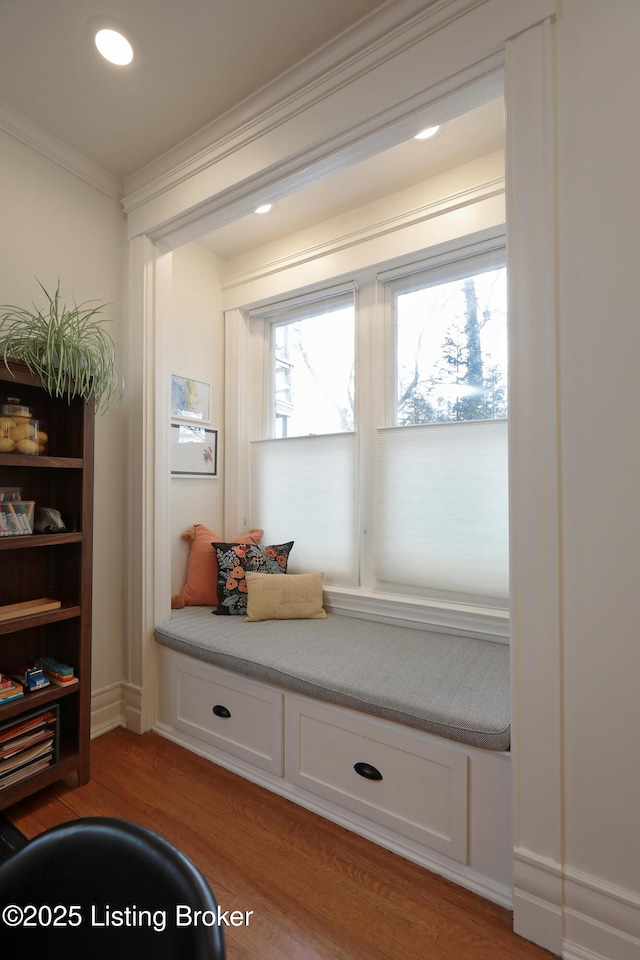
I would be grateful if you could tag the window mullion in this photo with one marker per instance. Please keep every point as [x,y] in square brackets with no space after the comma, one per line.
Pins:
[371,380]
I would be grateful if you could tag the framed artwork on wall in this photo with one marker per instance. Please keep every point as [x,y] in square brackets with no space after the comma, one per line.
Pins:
[190,399]
[193,451]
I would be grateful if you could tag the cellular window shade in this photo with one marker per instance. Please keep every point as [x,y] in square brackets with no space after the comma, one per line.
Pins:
[441,508]
[305,489]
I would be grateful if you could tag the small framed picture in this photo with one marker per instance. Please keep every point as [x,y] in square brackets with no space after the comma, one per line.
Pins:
[190,399]
[193,451]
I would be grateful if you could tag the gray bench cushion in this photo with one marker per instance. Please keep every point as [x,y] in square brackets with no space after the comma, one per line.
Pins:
[455,687]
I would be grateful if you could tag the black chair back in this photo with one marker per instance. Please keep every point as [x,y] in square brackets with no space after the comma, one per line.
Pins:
[101,888]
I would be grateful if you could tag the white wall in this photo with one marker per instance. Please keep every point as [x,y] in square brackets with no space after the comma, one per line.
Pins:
[598,215]
[196,351]
[56,226]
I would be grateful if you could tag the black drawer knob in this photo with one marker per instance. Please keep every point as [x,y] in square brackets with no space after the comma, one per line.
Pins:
[367,771]
[221,711]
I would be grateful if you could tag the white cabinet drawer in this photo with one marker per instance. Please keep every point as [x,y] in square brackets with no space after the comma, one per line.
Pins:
[232,713]
[422,789]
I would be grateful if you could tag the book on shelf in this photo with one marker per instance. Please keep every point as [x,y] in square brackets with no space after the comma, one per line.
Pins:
[12,692]
[19,726]
[25,756]
[21,743]
[26,771]
[28,745]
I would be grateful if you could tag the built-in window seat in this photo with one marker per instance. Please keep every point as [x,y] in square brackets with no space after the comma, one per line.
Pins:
[455,687]
[397,733]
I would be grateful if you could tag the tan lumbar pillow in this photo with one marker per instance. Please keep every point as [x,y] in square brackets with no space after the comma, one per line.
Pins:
[287,596]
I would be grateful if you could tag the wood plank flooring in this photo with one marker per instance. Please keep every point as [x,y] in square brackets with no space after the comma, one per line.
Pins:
[317,891]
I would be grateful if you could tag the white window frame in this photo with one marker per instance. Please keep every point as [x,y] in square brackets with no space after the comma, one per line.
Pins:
[374,407]
[287,313]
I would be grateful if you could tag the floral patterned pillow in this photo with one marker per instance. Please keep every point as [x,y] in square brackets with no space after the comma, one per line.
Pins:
[234,559]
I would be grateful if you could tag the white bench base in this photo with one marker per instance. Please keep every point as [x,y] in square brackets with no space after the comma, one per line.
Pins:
[441,804]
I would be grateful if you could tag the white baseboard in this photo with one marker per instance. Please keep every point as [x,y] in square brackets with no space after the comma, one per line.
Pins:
[106,709]
[537,899]
[602,920]
[132,707]
[538,921]
[573,914]
[117,705]
[573,951]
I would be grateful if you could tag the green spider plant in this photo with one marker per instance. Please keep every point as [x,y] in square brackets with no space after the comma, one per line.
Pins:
[66,347]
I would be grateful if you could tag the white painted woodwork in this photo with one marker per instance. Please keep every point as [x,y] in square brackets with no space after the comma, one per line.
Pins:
[423,790]
[534,496]
[252,732]
[440,804]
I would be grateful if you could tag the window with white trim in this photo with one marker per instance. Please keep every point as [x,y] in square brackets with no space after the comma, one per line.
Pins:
[312,366]
[383,448]
[441,472]
[304,472]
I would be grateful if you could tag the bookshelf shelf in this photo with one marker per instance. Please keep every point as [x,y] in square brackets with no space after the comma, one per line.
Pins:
[39,540]
[57,566]
[66,612]
[51,694]
[40,463]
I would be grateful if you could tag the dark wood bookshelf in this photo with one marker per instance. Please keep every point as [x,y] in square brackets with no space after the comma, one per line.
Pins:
[51,565]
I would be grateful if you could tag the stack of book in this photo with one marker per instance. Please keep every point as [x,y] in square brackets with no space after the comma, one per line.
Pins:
[28,745]
[9,689]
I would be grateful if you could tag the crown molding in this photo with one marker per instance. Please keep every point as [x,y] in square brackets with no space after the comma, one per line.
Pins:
[19,127]
[458,93]
[381,37]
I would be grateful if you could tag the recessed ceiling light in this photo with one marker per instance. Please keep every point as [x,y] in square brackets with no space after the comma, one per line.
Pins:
[426,133]
[264,208]
[114,47]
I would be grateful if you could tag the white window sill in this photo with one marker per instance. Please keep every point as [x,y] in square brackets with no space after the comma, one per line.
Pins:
[486,623]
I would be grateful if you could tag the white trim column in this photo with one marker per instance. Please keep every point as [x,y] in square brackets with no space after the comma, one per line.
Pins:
[238,358]
[147,581]
[534,489]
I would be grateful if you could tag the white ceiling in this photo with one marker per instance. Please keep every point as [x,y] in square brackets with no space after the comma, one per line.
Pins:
[196,60]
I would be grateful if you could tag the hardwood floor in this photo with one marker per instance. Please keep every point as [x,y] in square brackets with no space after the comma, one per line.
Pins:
[317,891]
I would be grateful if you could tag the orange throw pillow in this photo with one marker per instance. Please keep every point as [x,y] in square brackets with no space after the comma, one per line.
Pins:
[201,588]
